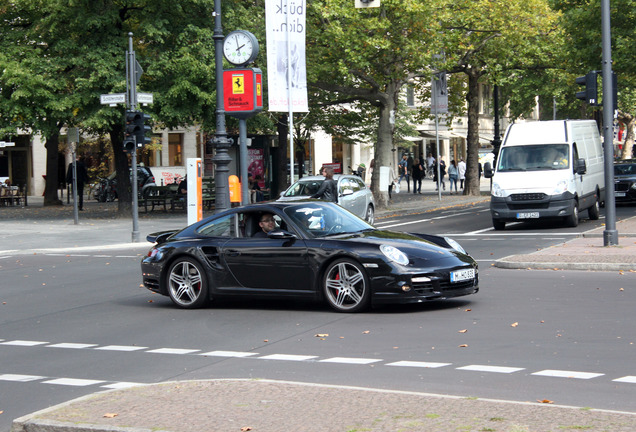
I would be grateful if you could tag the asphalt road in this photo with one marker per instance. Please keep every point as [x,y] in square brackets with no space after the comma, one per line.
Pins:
[76,324]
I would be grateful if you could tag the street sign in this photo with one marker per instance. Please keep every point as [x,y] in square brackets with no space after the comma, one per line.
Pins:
[6,144]
[112,99]
[144,98]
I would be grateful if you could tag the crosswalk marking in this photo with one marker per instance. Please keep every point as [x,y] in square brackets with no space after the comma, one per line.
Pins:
[350,360]
[567,374]
[23,343]
[485,368]
[73,382]
[172,351]
[418,364]
[20,378]
[228,354]
[288,357]
[126,348]
[71,345]
[626,379]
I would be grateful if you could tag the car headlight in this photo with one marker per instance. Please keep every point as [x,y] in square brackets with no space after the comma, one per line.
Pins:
[497,190]
[394,254]
[561,187]
[455,245]
[633,186]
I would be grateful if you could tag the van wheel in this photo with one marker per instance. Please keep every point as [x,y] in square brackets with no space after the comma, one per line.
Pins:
[573,220]
[594,212]
[498,225]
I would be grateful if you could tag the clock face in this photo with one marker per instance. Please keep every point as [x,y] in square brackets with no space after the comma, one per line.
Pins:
[240,47]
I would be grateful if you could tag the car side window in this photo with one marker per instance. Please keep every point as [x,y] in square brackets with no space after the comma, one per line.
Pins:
[225,227]
[357,185]
[345,184]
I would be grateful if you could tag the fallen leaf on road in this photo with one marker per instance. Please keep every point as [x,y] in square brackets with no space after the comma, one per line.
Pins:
[622,289]
[545,401]
[246,428]
[467,310]
[463,346]
[514,324]
[366,332]
[322,335]
[462,331]
[110,415]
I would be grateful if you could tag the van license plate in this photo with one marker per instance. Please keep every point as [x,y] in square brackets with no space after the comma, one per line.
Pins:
[620,194]
[462,275]
[528,215]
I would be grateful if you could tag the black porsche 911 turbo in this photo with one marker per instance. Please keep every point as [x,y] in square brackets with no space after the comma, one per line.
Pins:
[314,250]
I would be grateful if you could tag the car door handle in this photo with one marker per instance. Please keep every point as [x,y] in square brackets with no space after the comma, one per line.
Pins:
[232,253]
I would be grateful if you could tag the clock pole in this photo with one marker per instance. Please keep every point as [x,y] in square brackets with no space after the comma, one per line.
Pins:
[220,142]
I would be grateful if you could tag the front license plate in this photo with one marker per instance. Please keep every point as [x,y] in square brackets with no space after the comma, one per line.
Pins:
[462,275]
[528,215]
[620,194]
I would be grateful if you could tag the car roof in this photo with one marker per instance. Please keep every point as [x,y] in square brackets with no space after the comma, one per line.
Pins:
[319,177]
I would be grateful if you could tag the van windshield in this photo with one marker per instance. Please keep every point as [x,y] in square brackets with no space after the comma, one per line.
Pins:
[534,157]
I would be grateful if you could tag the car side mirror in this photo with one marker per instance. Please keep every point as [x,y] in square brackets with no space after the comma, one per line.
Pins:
[488,171]
[580,167]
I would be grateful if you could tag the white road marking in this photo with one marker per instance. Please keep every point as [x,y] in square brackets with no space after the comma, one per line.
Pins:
[567,374]
[228,354]
[122,385]
[627,379]
[71,345]
[350,360]
[173,351]
[73,382]
[485,368]
[418,364]
[288,357]
[23,343]
[20,378]
[120,348]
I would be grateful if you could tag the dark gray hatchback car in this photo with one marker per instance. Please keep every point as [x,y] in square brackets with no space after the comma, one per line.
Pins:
[625,180]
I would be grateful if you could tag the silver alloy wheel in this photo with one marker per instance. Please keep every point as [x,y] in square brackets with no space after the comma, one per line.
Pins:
[370,215]
[186,284]
[346,287]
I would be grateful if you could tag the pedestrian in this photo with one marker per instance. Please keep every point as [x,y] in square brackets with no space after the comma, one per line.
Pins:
[442,173]
[328,190]
[403,167]
[82,178]
[461,171]
[417,173]
[453,173]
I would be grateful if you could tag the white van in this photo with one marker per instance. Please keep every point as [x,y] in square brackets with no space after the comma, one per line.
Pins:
[548,169]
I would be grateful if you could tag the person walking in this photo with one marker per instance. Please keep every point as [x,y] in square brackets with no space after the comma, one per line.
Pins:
[442,173]
[403,167]
[417,173]
[82,178]
[453,173]
[328,190]
[461,172]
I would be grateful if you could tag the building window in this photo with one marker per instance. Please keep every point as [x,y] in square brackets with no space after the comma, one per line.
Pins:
[175,149]
[410,96]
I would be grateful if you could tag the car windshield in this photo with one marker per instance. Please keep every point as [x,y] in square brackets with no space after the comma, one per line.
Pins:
[625,169]
[534,157]
[303,188]
[318,219]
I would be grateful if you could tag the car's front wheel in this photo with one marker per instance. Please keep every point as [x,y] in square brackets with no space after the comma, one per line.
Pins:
[346,286]
[187,285]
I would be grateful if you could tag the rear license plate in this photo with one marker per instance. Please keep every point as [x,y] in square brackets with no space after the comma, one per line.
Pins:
[620,194]
[528,215]
[462,275]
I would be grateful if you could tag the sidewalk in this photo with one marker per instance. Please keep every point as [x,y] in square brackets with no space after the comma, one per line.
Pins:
[273,406]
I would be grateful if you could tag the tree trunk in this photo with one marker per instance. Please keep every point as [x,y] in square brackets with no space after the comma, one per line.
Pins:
[383,154]
[472,146]
[124,196]
[52,175]
[628,146]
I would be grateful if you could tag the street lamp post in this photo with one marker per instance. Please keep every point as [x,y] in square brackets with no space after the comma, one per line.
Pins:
[220,142]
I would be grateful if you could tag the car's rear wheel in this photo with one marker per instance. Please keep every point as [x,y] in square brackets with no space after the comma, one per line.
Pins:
[370,218]
[346,286]
[187,285]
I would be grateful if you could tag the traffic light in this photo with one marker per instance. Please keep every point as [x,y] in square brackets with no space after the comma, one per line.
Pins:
[129,133]
[590,94]
[136,129]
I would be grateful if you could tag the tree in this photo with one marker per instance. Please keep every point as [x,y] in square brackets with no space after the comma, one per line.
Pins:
[482,41]
[364,57]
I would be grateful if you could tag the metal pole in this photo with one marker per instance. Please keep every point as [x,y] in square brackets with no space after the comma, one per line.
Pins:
[245,193]
[75,209]
[132,103]
[290,109]
[221,142]
[435,107]
[610,235]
